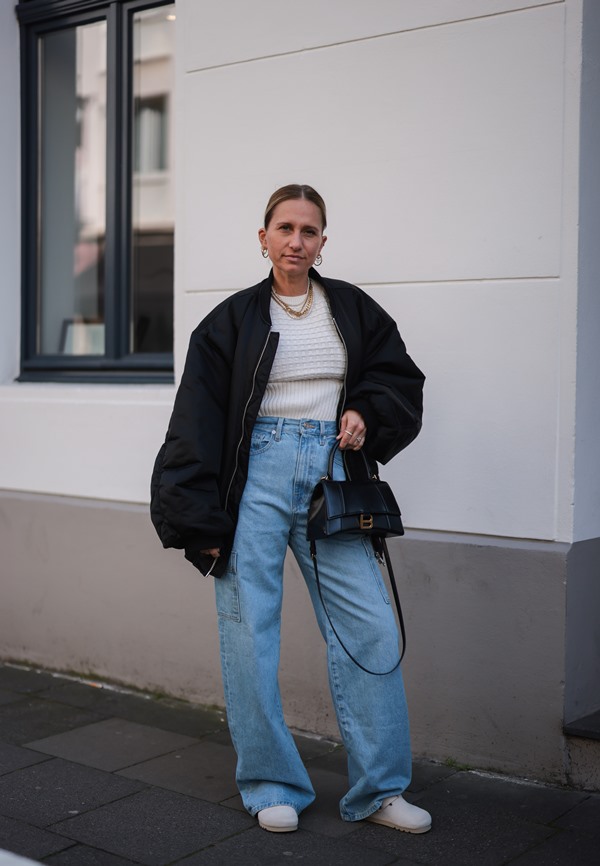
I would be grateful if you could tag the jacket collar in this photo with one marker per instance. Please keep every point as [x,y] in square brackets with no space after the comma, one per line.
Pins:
[267,284]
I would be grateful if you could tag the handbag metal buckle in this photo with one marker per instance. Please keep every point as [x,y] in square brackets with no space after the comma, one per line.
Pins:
[365,521]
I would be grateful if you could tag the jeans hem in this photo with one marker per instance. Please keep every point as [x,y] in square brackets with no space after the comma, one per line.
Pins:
[270,803]
[360,816]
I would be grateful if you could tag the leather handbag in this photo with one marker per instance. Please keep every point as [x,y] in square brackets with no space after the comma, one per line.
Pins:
[363,505]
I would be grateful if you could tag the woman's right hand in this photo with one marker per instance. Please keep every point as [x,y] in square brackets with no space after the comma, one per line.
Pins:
[215,552]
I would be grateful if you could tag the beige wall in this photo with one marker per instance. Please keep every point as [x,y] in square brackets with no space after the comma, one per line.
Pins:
[446,147]
[91,590]
[446,139]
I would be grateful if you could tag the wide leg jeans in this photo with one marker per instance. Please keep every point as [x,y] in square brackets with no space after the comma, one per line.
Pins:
[287,459]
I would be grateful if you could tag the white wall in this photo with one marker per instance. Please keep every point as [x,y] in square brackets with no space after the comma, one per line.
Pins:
[448,158]
[587,463]
[444,136]
[91,441]
[268,28]
[447,153]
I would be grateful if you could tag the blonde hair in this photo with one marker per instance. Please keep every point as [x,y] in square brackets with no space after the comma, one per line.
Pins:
[292,191]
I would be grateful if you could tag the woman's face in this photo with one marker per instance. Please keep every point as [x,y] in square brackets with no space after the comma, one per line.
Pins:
[294,237]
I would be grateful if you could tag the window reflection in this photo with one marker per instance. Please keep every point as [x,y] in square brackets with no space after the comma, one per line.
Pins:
[72,190]
[152,229]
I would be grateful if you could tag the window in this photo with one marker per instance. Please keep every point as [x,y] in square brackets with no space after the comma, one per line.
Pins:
[150,134]
[97,190]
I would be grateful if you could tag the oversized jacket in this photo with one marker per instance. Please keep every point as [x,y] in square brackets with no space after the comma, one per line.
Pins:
[201,469]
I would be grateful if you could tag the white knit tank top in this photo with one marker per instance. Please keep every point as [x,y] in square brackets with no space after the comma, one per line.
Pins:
[310,363]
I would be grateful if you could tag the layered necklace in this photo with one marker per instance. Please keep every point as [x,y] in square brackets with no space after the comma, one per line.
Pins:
[292,311]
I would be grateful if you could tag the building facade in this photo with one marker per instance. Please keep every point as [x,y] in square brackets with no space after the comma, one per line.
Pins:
[455,144]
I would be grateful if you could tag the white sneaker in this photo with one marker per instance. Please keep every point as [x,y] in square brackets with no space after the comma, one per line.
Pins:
[395,812]
[278,819]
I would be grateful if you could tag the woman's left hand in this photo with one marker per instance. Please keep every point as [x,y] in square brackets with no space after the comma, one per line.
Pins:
[352,431]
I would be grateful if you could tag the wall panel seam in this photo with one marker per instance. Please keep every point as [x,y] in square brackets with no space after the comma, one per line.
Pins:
[372,37]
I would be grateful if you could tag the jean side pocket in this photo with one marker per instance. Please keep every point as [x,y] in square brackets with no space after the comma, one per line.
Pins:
[227,592]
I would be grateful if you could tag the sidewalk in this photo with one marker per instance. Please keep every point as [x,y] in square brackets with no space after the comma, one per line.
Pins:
[90,776]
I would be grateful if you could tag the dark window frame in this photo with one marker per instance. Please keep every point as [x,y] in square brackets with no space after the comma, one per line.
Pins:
[117,364]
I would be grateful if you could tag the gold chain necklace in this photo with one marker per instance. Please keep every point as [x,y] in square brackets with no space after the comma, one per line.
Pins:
[304,309]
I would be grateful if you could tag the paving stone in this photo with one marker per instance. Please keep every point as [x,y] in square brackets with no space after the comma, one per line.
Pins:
[464,834]
[154,827]
[223,738]
[78,694]
[80,855]
[56,790]
[205,770]
[15,758]
[166,713]
[323,816]
[335,761]
[28,841]
[314,747]
[32,719]
[235,803]
[562,849]
[427,773]
[584,818]
[186,751]
[526,800]
[112,744]
[7,697]
[257,847]
[24,680]
[191,720]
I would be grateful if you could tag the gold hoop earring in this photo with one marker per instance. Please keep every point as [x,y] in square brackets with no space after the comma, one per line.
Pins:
[264,253]
[319,260]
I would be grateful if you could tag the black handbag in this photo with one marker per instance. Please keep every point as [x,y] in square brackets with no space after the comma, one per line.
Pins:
[365,505]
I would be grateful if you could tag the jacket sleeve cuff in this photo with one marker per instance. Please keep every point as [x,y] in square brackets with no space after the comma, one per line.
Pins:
[193,547]
[204,562]
[362,406]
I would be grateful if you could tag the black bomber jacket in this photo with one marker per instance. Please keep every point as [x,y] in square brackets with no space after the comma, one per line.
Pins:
[201,469]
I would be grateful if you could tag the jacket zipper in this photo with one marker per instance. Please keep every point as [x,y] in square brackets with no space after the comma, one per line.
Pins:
[343,402]
[245,412]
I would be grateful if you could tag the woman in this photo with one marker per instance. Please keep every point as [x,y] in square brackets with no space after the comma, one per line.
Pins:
[274,377]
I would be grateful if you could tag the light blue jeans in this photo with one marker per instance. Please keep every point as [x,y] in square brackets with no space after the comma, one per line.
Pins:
[287,459]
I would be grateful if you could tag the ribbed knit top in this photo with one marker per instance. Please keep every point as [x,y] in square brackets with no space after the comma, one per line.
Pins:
[310,362]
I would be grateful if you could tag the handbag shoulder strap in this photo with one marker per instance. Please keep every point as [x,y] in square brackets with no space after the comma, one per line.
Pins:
[381,544]
[390,571]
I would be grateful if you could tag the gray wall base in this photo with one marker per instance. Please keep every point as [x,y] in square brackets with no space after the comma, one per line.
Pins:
[485,665]
[582,762]
[86,587]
